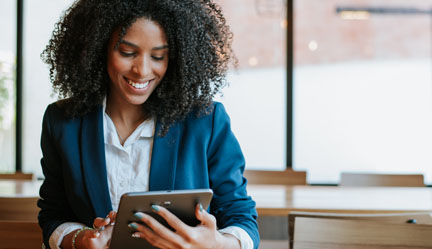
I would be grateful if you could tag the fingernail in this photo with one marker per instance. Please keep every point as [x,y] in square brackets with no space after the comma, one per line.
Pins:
[97,234]
[155,208]
[133,226]
[107,220]
[139,215]
[135,235]
[201,207]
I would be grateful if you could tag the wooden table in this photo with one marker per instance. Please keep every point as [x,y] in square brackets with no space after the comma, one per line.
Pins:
[18,200]
[19,188]
[279,200]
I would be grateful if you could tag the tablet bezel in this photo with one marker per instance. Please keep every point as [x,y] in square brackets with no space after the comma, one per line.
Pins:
[180,202]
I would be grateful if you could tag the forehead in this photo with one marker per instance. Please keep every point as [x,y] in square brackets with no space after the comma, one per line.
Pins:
[144,32]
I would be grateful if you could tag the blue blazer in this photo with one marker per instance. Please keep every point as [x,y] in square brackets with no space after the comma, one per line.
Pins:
[199,152]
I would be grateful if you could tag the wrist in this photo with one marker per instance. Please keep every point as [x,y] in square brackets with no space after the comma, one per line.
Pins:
[77,237]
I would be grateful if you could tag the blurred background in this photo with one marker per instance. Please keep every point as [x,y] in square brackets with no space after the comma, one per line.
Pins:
[325,86]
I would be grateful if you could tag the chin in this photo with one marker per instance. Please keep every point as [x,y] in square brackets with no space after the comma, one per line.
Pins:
[137,100]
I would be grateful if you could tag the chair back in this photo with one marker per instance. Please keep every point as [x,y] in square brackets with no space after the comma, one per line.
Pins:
[286,177]
[16,176]
[319,233]
[20,235]
[394,218]
[398,180]
[19,208]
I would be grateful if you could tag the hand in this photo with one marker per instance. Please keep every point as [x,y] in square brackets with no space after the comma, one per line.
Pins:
[203,236]
[98,238]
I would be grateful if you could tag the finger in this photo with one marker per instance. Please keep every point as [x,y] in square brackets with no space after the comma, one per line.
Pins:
[105,236]
[147,234]
[205,218]
[100,223]
[112,215]
[172,220]
[158,228]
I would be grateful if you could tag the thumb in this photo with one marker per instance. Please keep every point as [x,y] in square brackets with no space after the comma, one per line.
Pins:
[205,218]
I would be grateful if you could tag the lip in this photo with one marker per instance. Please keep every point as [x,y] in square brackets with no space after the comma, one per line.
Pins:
[138,82]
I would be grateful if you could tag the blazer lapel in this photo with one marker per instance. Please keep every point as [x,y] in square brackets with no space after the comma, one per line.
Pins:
[93,162]
[164,159]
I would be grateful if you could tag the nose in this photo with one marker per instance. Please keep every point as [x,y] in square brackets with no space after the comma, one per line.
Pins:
[142,66]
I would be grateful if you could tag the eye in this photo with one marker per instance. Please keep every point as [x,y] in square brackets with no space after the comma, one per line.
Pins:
[158,58]
[127,54]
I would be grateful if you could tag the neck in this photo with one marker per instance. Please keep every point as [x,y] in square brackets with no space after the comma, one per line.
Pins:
[124,114]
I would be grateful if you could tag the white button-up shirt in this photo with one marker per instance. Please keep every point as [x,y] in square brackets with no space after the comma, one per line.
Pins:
[128,165]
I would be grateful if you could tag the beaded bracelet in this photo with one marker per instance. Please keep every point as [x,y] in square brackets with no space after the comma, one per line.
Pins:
[76,235]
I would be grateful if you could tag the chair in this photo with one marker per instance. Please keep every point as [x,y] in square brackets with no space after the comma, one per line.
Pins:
[356,179]
[286,177]
[273,230]
[397,218]
[318,233]
[17,176]
[20,235]
[19,208]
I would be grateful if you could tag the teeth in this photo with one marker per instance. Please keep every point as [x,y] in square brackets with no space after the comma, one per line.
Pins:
[138,85]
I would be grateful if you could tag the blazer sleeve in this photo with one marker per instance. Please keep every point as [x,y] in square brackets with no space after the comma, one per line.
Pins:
[231,205]
[55,209]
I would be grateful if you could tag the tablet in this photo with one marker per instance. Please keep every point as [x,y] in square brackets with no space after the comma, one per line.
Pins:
[182,203]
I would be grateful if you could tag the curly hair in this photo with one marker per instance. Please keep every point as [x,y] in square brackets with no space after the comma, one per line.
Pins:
[200,53]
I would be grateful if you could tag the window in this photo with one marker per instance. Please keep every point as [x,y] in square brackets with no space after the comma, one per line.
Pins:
[7,85]
[362,92]
[362,87]
[255,98]
[39,20]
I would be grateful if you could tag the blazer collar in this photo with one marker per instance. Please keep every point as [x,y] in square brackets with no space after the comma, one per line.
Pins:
[93,162]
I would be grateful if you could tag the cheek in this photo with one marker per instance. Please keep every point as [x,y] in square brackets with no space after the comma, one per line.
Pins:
[117,65]
[162,68]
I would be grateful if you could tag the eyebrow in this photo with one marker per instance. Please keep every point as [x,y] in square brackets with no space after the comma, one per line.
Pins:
[136,46]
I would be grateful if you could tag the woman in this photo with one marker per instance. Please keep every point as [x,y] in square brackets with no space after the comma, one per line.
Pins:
[138,78]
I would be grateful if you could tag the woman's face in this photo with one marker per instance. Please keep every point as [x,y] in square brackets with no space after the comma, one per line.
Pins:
[139,63]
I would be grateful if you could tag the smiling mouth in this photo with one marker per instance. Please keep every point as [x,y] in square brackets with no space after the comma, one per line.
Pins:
[138,85]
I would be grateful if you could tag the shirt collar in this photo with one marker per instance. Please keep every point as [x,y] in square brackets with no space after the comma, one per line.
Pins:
[145,130]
